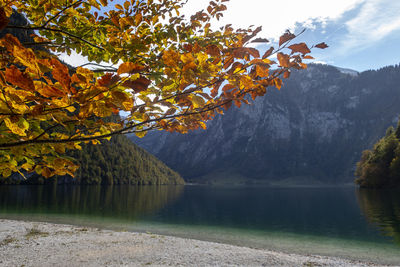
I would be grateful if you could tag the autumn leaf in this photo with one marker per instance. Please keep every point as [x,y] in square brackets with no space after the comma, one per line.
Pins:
[254,52]
[321,45]
[197,101]
[138,85]
[284,60]
[286,37]
[213,50]
[16,77]
[268,53]
[108,79]
[228,62]
[61,74]
[19,127]
[129,67]
[260,40]
[300,48]
[228,87]
[286,74]
[50,91]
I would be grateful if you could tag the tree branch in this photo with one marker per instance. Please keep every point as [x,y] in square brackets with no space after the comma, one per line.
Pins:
[61,11]
[54,30]
[120,131]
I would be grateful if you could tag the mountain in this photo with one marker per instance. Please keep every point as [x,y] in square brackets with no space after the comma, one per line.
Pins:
[311,131]
[119,161]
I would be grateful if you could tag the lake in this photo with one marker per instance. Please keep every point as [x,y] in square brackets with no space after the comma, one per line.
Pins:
[335,221]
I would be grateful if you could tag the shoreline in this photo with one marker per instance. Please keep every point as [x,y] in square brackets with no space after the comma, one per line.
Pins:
[48,244]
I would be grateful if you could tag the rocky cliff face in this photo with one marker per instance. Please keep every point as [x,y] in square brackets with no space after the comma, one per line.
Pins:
[316,126]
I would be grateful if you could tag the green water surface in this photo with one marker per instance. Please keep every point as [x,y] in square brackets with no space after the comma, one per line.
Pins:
[340,221]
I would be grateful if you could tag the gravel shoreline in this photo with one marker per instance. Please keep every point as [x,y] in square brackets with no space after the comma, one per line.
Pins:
[44,244]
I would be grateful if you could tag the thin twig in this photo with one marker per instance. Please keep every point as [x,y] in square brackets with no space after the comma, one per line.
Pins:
[54,30]
[58,13]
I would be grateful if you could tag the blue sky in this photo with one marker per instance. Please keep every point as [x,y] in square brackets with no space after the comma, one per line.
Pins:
[361,34]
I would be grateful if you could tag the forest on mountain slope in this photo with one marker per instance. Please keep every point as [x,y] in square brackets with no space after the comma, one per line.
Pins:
[117,161]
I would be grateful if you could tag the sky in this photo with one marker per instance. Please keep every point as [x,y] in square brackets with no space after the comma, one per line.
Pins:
[361,34]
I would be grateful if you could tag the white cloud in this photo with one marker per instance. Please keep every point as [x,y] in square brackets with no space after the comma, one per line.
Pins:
[375,20]
[277,16]
[74,59]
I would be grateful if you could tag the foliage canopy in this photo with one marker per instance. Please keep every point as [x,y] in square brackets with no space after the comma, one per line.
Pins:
[174,74]
[380,167]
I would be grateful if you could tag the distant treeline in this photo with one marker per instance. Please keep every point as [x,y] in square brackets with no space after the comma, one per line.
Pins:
[117,161]
[380,167]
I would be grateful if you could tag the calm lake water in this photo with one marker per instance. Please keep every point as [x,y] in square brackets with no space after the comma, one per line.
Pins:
[345,221]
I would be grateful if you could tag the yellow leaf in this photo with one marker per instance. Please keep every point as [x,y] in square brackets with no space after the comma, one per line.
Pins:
[17,128]
[71,109]
[197,101]
[141,134]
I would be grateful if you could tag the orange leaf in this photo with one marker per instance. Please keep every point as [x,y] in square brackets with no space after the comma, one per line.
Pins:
[108,79]
[188,47]
[287,36]
[138,18]
[227,87]
[254,52]
[262,71]
[260,40]
[213,50]
[60,73]
[228,62]
[321,45]
[278,83]
[50,91]
[300,48]
[16,77]
[284,60]
[138,85]
[286,74]
[240,52]
[129,67]
[268,53]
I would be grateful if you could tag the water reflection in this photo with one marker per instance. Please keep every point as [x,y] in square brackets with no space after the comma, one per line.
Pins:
[123,202]
[382,208]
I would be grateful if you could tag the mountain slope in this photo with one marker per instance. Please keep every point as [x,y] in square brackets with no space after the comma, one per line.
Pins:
[316,126]
[117,161]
